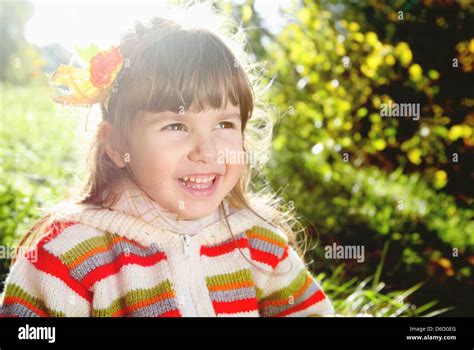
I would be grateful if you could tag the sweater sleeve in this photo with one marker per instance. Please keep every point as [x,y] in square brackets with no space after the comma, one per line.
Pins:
[40,285]
[291,290]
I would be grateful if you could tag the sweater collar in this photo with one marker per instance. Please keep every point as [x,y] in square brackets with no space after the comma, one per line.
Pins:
[135,229]
[122,220]
[136,202]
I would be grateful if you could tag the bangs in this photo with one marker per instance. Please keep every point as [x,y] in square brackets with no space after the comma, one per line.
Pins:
[180,70]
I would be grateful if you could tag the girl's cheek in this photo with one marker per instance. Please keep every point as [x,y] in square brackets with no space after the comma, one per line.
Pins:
[233,141]
[151,156]
[232,176]
[142,152]
[158,145]
[236,169]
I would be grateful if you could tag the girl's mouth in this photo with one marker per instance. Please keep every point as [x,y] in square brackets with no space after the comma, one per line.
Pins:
[200,185]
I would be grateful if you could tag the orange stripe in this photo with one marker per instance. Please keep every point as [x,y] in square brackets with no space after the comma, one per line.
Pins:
[285,301]
[94,251]
[18,300]
[231,285]
[144,303]
[266,239]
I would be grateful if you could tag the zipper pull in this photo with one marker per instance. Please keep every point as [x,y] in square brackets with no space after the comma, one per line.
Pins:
[186,245]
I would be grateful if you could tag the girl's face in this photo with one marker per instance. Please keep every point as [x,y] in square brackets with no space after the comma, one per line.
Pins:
[180,159]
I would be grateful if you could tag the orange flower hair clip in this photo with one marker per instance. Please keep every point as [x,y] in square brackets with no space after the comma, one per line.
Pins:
[87,86]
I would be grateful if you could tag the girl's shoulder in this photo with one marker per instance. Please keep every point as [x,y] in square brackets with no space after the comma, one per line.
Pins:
[257,222]
[59,231]
[267,242]
[64,241]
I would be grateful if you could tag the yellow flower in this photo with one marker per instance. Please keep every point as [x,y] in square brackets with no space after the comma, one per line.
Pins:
[87,86]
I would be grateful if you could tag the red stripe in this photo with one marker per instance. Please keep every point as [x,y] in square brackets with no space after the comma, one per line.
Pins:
[314,299]
[264,257]
[224,248]
[114,267]
[172,313]
[232,307]
[52,265]
[259,255]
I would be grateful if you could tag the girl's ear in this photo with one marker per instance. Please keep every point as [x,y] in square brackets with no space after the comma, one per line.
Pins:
[112,143]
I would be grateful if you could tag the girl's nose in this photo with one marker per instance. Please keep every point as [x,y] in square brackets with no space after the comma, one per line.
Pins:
[204,149]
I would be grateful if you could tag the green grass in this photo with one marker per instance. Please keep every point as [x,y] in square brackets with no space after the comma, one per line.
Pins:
[36,137]
[367,297]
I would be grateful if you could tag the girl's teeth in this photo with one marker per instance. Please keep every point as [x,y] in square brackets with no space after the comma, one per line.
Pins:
[206,185]
[200,182]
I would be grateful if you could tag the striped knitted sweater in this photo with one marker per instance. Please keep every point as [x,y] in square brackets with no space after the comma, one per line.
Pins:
[103,262]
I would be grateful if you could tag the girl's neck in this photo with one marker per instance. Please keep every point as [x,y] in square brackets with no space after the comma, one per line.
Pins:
[136,202]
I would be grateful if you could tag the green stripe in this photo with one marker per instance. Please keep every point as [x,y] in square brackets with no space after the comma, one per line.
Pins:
[13,290]
[133,297]
[238,276]
[267,233]
[82,248]
[290,290]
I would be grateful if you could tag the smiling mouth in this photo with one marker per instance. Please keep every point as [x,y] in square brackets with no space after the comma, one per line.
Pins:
[199,181]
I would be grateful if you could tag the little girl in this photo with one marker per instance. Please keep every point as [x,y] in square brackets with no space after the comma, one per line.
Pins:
[167,224]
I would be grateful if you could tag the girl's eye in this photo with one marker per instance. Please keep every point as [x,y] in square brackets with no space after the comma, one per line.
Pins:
[175,127]
[226,125]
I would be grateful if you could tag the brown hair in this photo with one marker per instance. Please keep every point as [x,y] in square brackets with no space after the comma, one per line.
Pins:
[169,66]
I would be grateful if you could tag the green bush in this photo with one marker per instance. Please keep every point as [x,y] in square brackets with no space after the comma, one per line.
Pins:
[360,178]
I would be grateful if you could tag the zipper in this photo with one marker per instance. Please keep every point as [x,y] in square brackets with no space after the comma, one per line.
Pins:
[186,245]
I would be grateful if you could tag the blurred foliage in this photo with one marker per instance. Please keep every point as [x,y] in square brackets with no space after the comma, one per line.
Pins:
[440,35]
[37,156]
[359,178]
